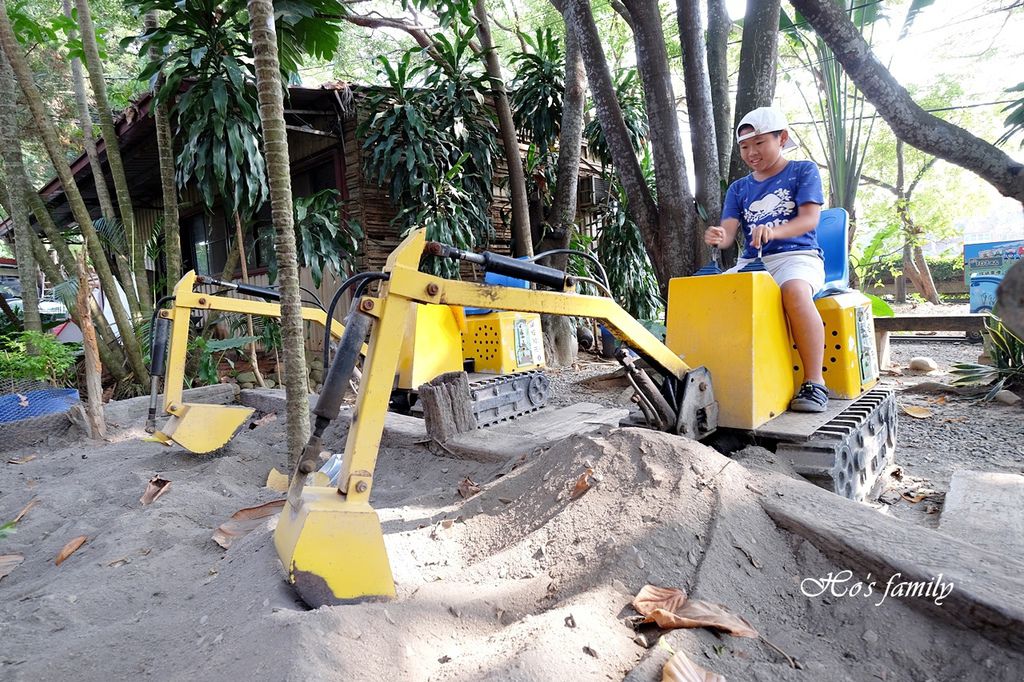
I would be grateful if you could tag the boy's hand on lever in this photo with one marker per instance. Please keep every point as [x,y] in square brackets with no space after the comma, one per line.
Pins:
[761,235]
[714,235]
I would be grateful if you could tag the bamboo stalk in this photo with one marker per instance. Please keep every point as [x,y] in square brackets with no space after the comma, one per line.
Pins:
[93,368]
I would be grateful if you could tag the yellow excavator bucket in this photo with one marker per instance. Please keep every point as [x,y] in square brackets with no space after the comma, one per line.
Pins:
[333,549]
[202,428]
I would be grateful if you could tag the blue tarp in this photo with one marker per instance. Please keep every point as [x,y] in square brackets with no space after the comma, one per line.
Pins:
[17,406]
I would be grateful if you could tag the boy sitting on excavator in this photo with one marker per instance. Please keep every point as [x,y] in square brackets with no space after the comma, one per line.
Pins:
[778,206]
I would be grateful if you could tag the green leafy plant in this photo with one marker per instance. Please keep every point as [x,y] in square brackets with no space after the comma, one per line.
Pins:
[621,250]
[631,100]
[537,90]
[32,355]
[431,140]
[211,352]
[1007,368]
[326,242]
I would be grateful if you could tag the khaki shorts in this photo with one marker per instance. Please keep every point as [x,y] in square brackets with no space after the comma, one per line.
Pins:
[805,266]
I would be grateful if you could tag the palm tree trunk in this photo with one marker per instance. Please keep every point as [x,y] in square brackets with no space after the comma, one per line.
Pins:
[700,108]
[165,145]
[113,148]
[522,235]
[28,272]
[719,27]
[88,138]
[56,153]
[275,140]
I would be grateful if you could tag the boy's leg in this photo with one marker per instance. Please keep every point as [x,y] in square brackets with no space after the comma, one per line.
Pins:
[805,323]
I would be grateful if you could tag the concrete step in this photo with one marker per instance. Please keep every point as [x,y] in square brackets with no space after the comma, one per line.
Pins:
[986,509]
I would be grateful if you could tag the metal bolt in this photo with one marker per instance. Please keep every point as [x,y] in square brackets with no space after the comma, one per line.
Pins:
[202,301]
[165,314]
[432,289]
[570,282]
[172,407]
[366,304]
[703,386]
[361,487]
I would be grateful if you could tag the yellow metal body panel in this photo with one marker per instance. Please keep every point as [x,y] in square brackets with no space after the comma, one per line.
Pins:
[432,345]
[333,549]
[850,365]
[735,326]
[504,342]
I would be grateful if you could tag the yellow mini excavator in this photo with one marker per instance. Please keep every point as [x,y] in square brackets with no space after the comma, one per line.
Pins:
[740,372]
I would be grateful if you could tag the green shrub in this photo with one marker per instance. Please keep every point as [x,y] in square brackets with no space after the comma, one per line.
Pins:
[31,355]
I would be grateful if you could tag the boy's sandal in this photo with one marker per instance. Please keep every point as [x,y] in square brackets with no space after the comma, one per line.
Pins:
[810,398]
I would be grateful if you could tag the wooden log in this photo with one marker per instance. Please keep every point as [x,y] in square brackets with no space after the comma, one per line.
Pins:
[447,406]
[934,323]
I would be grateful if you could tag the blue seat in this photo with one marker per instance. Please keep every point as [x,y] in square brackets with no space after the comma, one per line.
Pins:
[498,280]
[833,238]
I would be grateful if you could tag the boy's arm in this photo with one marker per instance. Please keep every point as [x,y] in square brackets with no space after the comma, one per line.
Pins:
[716,235]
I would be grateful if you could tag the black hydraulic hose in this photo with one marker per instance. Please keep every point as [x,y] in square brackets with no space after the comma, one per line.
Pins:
[362,278]
[152,326]
[574,252]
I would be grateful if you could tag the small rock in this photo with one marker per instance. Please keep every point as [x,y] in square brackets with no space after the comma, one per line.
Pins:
[444,659]
[246,378]
[923,364]
[641,640]
[870,636]
[270,383]
[590,652]
[1007,397]
[202,621]
[247,385]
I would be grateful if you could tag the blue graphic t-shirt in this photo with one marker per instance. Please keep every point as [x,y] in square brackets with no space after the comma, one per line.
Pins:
[775,201]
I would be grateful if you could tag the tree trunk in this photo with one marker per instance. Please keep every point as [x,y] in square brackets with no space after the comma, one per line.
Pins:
[28,272]
[165,145]
[88,138]
[759,56]
[253,358]
[113,361]
[56,153]
[700,107]
[675,252]
[562,219]
[908,121]
[641,205]
[719,27]
[93,368]
[522,237]
[113,149]
[927,289]
[275,140]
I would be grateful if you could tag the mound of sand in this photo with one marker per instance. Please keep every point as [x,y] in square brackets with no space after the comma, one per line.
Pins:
[523,581]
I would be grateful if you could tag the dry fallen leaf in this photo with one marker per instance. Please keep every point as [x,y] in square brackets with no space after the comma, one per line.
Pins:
[70,549]
[154,489]
[939,400]
[31,503]
[265,419]
[917,412]
[277,481]
[670,608]
[467,488]
[680,668]
[582,484]
[914,497]
[9,562]
[244,521]
[22,400]
[22,460]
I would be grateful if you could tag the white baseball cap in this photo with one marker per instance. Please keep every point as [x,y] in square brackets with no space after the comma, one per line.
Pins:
[764,120]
